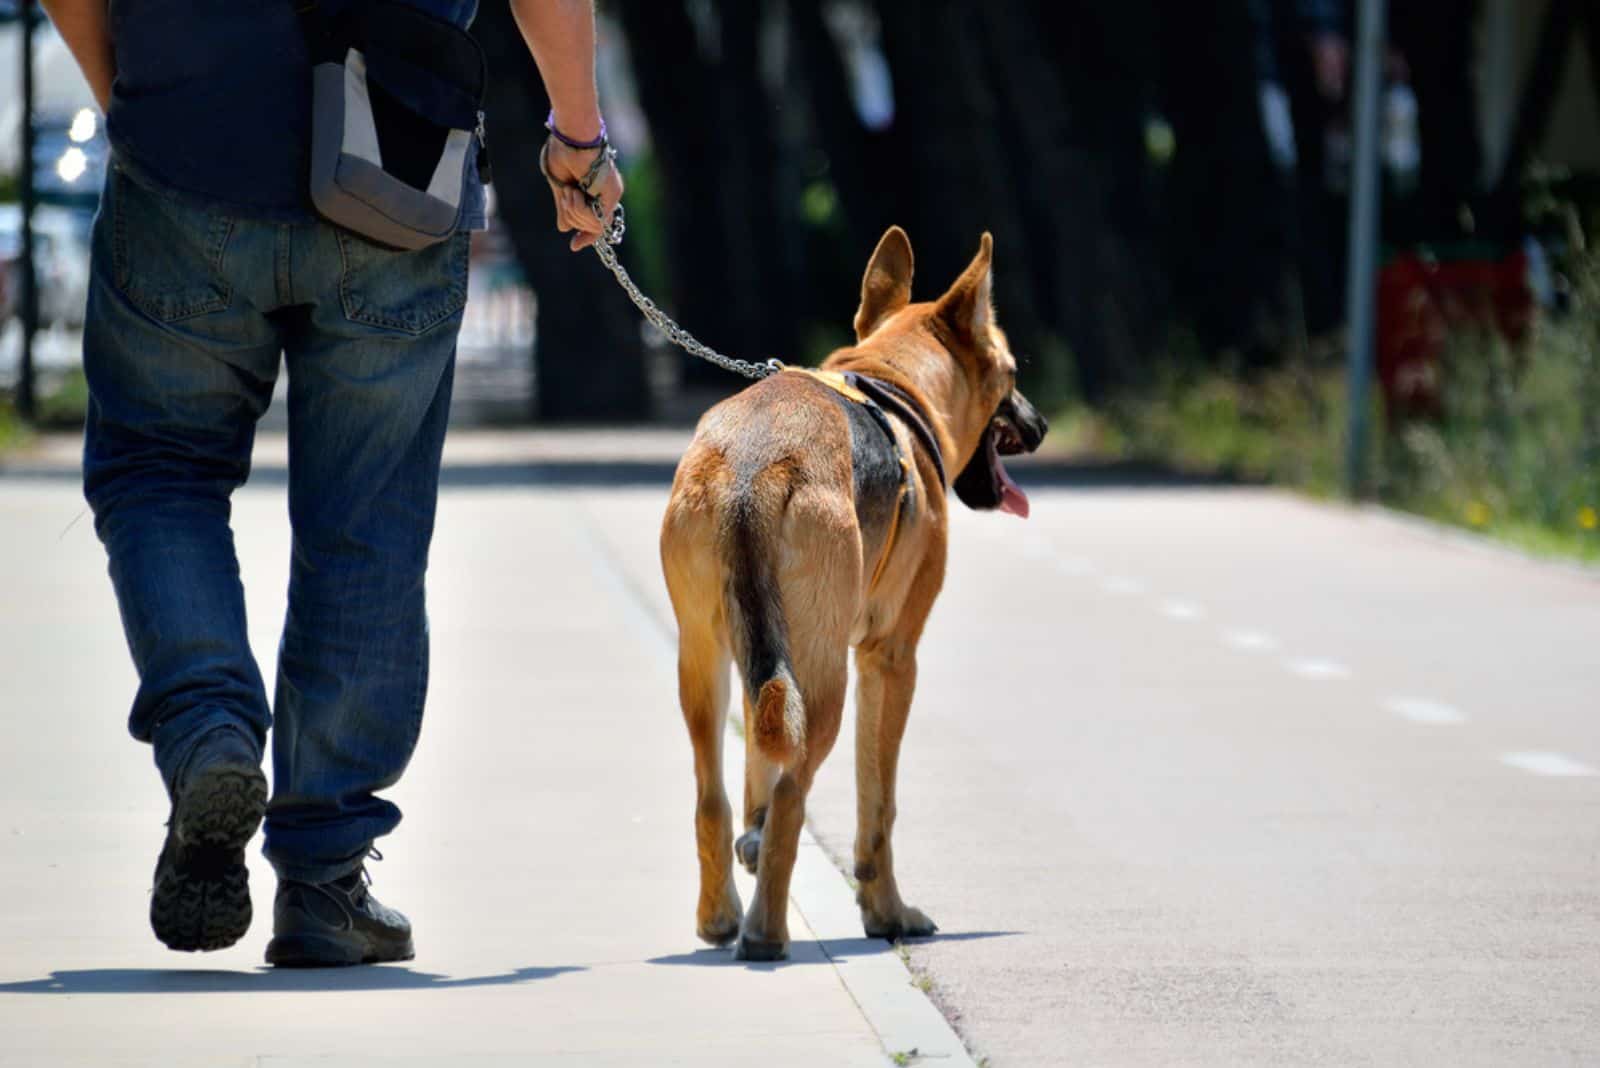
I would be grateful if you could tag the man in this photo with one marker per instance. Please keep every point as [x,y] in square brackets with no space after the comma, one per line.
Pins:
[208,264]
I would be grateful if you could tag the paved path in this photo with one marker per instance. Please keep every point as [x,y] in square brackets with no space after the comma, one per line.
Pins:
[1194,776]
[1217,776]
[546,857]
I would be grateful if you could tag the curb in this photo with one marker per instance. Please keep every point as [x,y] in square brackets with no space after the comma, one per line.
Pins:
[1455,537]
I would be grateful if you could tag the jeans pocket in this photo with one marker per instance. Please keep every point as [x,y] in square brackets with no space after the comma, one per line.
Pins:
[167,254]
[410,292]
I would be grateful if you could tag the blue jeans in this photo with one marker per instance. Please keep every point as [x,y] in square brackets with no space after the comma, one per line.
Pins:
[189,312]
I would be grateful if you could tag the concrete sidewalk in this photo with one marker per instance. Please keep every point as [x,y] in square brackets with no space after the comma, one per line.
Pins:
[547,855]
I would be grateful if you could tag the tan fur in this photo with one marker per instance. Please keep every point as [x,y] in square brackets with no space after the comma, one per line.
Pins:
[762,522]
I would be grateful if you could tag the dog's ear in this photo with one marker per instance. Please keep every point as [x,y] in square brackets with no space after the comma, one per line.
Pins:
[968,307]
[886,287]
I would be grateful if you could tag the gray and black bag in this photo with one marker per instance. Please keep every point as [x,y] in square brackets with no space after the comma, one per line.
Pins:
[397,119]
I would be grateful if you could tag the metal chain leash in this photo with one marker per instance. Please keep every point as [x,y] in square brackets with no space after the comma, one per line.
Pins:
[605,248]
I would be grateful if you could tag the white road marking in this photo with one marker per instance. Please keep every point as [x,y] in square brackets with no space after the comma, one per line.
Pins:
[1543,763]
[1422,710]
[1312,667]
[1251,641]
[1122,587]
[1075,566]
[1182,610]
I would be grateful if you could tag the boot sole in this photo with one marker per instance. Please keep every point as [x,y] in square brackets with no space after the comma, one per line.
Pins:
[202,894]
[328,951]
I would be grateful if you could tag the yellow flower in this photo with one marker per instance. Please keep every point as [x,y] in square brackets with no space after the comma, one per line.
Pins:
[1477,513]
[1588,518]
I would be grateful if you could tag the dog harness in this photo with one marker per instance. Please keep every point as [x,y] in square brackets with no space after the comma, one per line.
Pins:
[881,398]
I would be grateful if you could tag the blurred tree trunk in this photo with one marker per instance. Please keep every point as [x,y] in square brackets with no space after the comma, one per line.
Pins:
[860,161]
[1228,210]
[953,177]
[714,134]
[590,357]
[759,224]
[677,94]
[1088,176]
[1030,125]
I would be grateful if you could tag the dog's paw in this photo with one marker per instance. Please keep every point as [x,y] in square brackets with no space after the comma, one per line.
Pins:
[718,932]
[720,925]
[759,949]
[908,923]
[748,849]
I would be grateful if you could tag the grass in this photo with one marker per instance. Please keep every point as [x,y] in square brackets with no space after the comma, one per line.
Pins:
[12,432]
[1514,453]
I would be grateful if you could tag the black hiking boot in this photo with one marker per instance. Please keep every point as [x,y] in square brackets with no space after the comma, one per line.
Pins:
[201,899]
[321,925]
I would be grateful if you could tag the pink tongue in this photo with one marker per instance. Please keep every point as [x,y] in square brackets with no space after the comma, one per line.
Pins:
[1012,499]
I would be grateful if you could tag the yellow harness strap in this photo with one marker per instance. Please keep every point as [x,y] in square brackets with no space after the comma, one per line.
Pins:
[833,380]
[836,382]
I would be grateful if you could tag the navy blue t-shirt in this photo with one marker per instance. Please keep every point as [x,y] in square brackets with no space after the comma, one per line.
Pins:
[213,99]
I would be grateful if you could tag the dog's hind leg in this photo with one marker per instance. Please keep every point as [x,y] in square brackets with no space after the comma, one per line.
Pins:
[695,585]
[703,660]
[703,692]
[760,776]
[817,596]
[886,671]
[765,935]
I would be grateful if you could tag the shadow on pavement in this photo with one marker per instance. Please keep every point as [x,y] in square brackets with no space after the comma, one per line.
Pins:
[198,981]
[814,952]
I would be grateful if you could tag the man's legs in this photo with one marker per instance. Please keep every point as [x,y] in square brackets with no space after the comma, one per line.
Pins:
[370,369]
[180,365]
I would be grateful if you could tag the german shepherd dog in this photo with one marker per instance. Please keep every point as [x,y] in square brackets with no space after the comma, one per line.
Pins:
[809,517]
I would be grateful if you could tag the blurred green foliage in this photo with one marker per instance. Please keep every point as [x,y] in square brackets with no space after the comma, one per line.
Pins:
[1517,450]
[12,432]
[1281,425]
[646,251]
[1515,453]
[64,401]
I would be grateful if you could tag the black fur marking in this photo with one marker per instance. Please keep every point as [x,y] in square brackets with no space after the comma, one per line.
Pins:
[875,466]
[891,398]
[755,592]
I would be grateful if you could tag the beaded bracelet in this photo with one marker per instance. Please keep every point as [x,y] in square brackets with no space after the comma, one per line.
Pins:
[570,142]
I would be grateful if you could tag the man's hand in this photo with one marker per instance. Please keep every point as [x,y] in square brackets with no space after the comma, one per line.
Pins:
[565,169]
[560,34]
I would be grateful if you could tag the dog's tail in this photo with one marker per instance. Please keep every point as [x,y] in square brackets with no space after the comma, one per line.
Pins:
[759,632]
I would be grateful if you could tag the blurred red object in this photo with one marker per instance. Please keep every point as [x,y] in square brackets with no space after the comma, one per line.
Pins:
[1421,300]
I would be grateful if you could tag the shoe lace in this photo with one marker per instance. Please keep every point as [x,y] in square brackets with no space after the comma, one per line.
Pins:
[364,887]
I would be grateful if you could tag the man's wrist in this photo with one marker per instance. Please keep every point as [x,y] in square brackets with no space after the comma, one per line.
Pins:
[581,124]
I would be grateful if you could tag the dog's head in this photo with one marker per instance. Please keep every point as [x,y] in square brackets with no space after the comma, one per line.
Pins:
[975,381]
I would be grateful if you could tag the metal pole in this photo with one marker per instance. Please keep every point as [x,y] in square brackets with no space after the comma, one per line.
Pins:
[29,306]
[1361,282]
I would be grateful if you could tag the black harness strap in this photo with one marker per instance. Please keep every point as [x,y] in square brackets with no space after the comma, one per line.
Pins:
[885,395]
